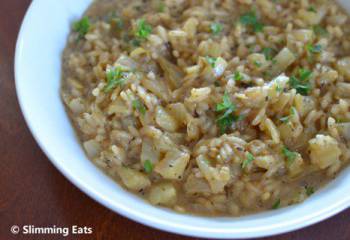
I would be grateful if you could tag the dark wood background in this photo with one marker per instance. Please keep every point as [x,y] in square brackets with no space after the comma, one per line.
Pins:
[33,192]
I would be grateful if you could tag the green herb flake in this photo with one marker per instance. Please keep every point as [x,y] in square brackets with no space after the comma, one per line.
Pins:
[211,61]
[278,87]
[301,82]
[341,120]
[117,23]
[314,49]
[143,29]
[285,119]
[138,105]
[250,19]
[257,64]
[320,31]
[304,74]
[82,27]
[291,156]
[135,42]
[227,118]
[237,76]
[277,204]
[115,77]
[293,111]
[161,7]
[312,9]
[269,53]
[216,28]
[309,190]
[250,158]
[226,104]
[148,166]
[206,161]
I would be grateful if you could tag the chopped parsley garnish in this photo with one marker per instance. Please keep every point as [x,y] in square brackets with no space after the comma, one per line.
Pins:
[250,158]
[278,87]
[287,118]
[304,74]
[320,31]
[115,77]
[237,76]
[226,104]
[117,23]
[309,190]
[290,155]
[269,53]
[211,61]
[143,29]
[148,166]
[341,120]
[135,42]
[257,64]
[277,204]
[284,119]
[161,7]
[250,19]
[138,105]
[312,9]
[82,27]
[216,28]
[227,118]
[301,82]
[314,49]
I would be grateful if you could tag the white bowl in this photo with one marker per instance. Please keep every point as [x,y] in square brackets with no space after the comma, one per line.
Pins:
[38,68]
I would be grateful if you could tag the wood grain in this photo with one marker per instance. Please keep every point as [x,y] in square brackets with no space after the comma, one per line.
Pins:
[33,192]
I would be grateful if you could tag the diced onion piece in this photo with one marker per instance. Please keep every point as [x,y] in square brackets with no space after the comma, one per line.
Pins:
[303,35]
[173,73]
[220,66]
[76,105]
[265,162]
[199,94]
[324,151]
[92,148]
[173,165]
[282,61]
[179,111]
[156,87]
[342,90]
[296,166]
[343,66]
[133,179]
[162,194]
[309,17]
[271,128]
[216,177]
[344,130]
[190,27]
[149,152]
[166,120]
[195,185]
[257,61]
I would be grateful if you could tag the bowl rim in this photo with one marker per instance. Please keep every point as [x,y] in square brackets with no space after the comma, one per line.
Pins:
[127,211]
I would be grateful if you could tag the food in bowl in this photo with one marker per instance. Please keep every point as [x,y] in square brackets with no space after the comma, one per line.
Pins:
[212,107]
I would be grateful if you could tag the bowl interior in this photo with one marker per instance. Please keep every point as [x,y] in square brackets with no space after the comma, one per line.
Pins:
[38,67]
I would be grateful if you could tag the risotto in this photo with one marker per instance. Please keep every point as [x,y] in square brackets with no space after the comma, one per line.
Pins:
[214,107]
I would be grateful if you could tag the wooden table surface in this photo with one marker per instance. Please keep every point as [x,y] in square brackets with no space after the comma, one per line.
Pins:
[33,192]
